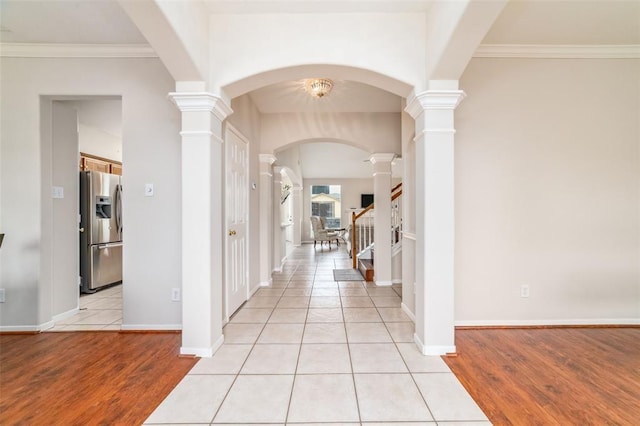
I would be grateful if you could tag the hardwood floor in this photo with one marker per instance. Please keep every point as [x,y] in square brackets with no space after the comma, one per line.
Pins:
[87,378]
[556,376]
[573,376]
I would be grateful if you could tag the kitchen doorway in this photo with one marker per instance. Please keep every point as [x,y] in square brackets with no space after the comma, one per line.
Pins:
[85,139]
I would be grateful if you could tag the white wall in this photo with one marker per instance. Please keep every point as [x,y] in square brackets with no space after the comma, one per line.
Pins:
[95,141]
[100,127]
[390,44]
[350,197]
[151,155]
[373,132]
[548,191]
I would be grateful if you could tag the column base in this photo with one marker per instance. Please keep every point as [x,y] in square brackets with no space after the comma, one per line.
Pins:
[203,352]
[433,349]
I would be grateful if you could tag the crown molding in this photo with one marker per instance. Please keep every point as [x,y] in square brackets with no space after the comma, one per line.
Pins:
[50,50]
[560,51]
[382,157]
[201,101]
[434,99]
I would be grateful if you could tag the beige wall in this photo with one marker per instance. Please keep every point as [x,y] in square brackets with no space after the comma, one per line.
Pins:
[547,191]
[151,154]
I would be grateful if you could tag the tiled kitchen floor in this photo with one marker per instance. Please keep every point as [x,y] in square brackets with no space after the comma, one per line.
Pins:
[311,350]
[101,310]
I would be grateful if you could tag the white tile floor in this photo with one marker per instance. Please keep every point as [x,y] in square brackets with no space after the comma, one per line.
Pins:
[101,310]
[311,350]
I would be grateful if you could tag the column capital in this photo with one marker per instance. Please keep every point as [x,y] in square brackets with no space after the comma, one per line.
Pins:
[434,99]
[201,102]
[267,158]
[380,157]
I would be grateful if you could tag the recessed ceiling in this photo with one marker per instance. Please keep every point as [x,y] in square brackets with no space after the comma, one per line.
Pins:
[346,96]
[318,6]
[567,22]
[72,21]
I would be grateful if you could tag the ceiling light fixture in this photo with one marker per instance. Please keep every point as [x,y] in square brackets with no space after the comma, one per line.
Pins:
[318,87]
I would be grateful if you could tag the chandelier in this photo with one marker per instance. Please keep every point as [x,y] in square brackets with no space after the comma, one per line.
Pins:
[318,87]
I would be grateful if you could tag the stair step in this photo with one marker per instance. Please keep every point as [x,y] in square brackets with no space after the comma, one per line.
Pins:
[365,266]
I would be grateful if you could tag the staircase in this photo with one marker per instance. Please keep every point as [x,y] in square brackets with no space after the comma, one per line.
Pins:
[362,243]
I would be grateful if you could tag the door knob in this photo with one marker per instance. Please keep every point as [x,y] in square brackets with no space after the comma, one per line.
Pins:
[81,229]
[232,232]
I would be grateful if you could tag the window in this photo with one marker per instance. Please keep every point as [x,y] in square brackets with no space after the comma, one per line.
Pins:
[325,202]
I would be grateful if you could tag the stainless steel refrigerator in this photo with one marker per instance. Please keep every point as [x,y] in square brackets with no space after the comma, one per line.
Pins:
[100,230]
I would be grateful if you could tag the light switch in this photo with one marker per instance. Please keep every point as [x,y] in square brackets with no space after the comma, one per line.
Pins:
[148,190]
[57,192]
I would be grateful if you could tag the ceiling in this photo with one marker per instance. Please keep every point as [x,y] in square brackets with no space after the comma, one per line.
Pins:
[567,22]
[521,22]
[346,96]
[318,6]
[68,21]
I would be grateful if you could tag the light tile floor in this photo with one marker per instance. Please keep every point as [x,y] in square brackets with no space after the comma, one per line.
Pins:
[101,310]
[309,350]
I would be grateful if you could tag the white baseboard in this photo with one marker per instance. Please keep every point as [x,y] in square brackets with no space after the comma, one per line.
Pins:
[438,350]
[418,343]
[203,352]
[65,315]
[383,283]
[150,327]
[19,328]
[407,311]
[47,325]
[397,281]
[552,322]
[266,283]
[433,349]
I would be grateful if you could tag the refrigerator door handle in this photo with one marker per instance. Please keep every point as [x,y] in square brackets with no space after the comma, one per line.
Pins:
[118,208]
[110,245]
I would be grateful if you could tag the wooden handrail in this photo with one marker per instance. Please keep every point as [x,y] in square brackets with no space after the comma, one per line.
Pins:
[355,216]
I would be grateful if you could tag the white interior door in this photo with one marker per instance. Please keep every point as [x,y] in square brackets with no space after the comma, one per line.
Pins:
[237,215]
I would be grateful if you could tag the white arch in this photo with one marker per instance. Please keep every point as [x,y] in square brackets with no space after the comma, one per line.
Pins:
[288,145]
[297,72]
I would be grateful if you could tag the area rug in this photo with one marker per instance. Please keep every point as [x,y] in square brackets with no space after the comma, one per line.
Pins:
[347,275]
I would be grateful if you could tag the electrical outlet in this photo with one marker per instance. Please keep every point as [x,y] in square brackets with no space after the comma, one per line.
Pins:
[2,295]
[175,294]
[524,291]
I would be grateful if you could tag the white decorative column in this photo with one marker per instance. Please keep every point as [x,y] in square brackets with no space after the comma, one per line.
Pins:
[296,196]
[202,220]
[382,219]
[266,221]
[433,112]
[278,236]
